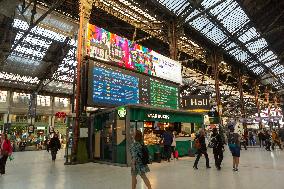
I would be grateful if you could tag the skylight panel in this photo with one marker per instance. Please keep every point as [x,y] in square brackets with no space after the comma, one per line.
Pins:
[255,46]
[272,63]
[267,56]
[257,70]
[200,23]
[235,19]
[277,69]
[223,9]
[248,35]
[208,3]
[216,35]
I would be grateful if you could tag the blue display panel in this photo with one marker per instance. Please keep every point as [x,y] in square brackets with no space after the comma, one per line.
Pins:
[114,87]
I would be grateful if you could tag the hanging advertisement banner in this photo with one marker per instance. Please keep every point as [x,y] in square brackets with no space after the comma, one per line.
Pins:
[166,68]
[106,46]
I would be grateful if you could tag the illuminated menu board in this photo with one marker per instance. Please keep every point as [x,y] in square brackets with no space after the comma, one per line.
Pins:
[163,95]
[114,87]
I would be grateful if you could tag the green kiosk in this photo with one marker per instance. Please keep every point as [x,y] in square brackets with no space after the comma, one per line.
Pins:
[113,131]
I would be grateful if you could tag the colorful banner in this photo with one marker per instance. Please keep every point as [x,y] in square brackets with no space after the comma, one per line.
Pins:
[107,46]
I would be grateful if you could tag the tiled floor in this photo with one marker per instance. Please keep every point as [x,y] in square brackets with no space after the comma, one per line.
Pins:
[259,169]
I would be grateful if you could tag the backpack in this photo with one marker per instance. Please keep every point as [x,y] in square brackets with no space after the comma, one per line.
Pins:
[213,142]
[145,155]
[231,140]
[197,144]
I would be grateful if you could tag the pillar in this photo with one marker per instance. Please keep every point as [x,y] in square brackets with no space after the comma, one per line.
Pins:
[172,34]
[267,104]
[240,86]
[257,103]
[275,99]
[85,7]
[216,58]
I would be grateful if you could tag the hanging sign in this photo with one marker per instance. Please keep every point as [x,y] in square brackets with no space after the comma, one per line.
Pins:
[195,102]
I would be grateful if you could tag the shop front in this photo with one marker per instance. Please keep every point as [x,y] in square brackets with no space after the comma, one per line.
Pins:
[114,130]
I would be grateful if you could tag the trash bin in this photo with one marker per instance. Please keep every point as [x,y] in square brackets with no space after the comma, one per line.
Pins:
[157,157]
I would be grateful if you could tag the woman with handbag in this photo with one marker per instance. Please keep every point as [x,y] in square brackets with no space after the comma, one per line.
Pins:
[5,152]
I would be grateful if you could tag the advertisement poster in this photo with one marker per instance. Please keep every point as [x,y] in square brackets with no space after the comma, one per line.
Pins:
[107,46]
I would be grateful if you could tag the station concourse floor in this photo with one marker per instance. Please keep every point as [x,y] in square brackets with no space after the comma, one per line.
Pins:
[259,169]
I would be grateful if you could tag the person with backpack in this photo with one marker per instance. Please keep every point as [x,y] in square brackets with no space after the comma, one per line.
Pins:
[234,146]
[217,144]
[200,145]
[140,159]
[5,151]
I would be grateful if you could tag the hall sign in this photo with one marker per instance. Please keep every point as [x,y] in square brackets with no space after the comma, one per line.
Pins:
[195,102]
[158,116]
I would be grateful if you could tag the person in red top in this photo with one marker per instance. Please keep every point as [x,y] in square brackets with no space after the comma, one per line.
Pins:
[5,152]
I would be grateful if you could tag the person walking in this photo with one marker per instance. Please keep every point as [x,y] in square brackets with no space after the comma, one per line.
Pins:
[200,138]
[173,146]
[5,151]
[54,146]
[260,138]
[218,148]
[167,138]
[275,140]
[267,139]
[234,146]
[137,165]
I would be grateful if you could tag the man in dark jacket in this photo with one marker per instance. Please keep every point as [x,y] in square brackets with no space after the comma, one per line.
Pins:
[167,138]
[54,146]
[201,150]
[218,148]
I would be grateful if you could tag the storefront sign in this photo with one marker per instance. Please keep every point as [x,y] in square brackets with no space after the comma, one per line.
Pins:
[31,129]
[60,114]
[110,47]
[193,102]
[158,116]
[121,111]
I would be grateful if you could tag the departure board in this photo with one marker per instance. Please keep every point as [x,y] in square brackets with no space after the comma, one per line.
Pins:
[115,88]
[163,95]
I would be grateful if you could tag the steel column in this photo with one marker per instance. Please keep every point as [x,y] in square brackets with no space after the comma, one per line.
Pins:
[85,11]
[240,86]
[257,103]
[173,40]
[216,58]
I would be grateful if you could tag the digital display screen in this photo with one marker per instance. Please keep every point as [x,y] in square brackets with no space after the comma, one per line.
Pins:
[163,95]
[119,51]
[113,86]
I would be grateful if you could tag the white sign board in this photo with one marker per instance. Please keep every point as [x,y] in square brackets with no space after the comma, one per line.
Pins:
[83,132]
[167,68]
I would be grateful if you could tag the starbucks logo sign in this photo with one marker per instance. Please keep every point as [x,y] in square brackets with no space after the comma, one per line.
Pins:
[121,111]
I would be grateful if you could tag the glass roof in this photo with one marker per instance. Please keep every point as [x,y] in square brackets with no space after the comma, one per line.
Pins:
[226,24]
[24,65]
